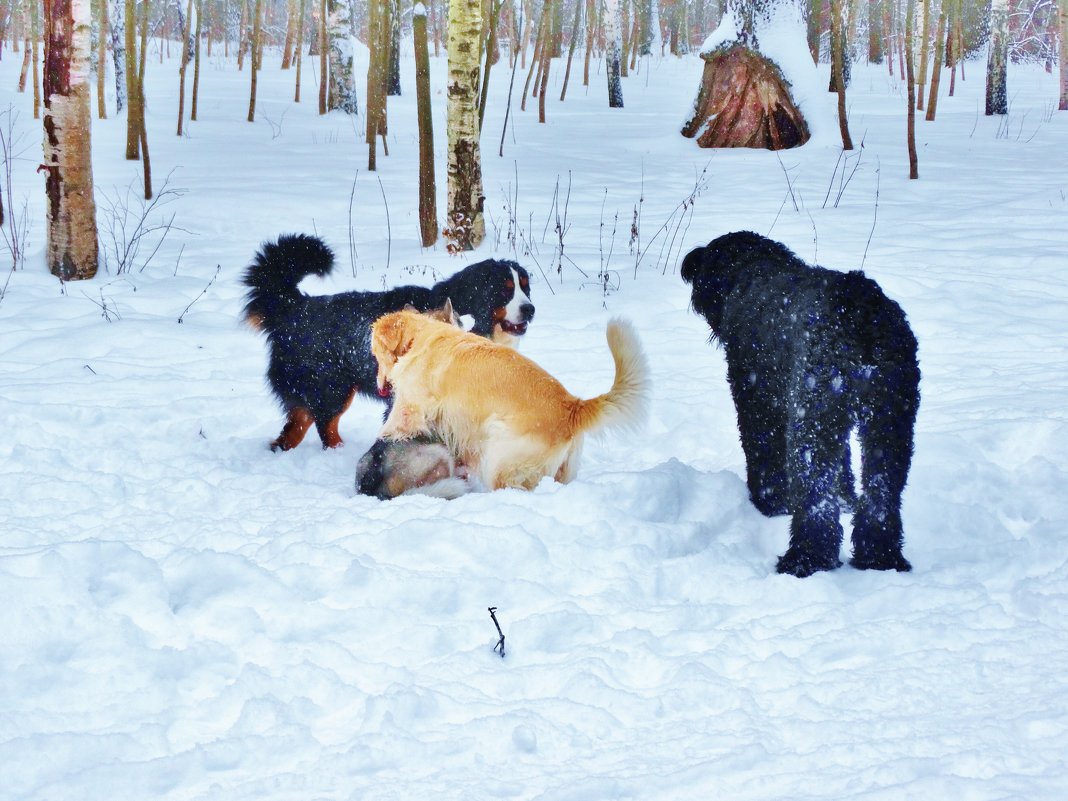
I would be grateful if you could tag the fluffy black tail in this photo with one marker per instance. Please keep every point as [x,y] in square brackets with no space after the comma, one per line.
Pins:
[276,271]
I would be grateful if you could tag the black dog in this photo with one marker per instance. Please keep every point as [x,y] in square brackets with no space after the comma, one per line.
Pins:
[811,355]
[320,346]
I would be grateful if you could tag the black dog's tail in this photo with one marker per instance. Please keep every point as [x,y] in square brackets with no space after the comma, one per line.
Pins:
[276,271]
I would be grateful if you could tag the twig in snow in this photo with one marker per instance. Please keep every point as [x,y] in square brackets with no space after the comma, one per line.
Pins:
[500,642]
[203,292]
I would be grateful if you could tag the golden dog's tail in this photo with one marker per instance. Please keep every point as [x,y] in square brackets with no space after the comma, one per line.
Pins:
[625,404]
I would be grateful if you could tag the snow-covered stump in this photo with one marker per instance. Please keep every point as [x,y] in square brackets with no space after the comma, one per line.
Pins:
[744,101]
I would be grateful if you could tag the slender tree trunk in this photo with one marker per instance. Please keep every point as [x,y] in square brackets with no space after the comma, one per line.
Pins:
[535,61]
[575,32]
[936,69]
[428,209]
[591,26]
[72,248]
[297,51]
[910,18]
[925,46]
[142,136]
[1063,9]
[838,52]
[625,28]
[35,23]
[196,64]
[546,59]
[117,28]
[324,79]
[612,53]
[242,36]
[27,54]
[101,58]
[133,116]
[254,50]
[182,67]
[997,97]
[466,226]
[875,31]
[377,34]
[491,50]
[393,85]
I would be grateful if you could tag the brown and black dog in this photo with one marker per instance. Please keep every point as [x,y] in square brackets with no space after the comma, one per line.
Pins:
[503,416]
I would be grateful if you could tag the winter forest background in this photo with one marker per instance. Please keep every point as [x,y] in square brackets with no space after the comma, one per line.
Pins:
[187,615]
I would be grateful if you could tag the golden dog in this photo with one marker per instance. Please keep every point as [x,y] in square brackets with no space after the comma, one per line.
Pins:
[505,418]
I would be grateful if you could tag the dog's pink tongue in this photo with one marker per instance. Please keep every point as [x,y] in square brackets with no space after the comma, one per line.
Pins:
[384,392]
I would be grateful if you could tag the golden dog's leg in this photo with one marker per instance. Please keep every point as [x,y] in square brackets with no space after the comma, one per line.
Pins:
[405,421]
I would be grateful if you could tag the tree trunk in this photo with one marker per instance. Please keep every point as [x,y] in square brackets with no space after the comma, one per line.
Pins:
[377,42]
[612,22]
[910,20]
[117,28]
[254,65]
[997,98]
[925,45]
[196,64]
[393,85]
[297,51]
[491,57]
[428,209]
[838,53]
[71,210]
[591,26]
[242,36]
[133,116]
[1063,8]
[936,71]
[181,70]
[142,132]
[342,94]
[466,226]
[323,62]
[291,24]
[575,31]
[875,31]
[101,59]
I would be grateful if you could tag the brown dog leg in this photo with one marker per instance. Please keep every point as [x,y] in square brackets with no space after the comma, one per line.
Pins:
[297,424]
[329,433]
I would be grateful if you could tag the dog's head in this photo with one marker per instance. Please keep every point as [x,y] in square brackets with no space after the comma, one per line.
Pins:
[391,337]
[495,295]
[713,269]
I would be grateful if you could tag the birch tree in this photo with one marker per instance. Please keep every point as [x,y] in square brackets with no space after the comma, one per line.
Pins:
[71,211]
[613,20]
[342,88]
[466,225]
[997,98]
[117,29]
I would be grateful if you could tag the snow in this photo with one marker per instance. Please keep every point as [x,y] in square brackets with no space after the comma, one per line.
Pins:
[190,616]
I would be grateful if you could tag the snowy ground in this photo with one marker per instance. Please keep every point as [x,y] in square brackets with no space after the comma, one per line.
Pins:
[189,616]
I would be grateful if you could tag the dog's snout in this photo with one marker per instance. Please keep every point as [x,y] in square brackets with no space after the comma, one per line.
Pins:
[526,311]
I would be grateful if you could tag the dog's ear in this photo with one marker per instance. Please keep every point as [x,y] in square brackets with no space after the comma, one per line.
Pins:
[390,338]
[692,264]
[448,314]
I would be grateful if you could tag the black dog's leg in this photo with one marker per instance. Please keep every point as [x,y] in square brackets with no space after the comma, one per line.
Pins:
[762,429]
[817,437]
[886,444]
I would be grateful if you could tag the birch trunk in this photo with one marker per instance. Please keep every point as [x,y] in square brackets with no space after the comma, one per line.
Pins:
[997,98]
[612,54]
[838,55]
[466,226]
[117,29]
[910,77]
[133,115]
[71,210]
[342,94]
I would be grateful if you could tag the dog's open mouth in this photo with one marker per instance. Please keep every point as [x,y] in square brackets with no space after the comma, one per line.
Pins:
[515,329]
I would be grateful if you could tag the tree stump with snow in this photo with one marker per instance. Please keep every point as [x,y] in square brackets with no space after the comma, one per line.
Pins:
[744,101]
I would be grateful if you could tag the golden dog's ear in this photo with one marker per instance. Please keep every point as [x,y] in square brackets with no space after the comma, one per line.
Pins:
[390,337]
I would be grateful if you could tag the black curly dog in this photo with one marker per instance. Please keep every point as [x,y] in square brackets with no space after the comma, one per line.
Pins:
[320,345]
[811,355]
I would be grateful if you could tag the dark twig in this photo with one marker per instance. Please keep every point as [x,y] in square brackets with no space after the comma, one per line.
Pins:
[203,292]
[500,642]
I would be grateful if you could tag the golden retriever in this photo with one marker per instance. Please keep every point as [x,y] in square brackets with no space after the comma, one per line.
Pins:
[505,418]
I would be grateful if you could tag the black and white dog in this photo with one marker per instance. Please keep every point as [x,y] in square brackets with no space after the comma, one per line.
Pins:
[320,346]
[813,354]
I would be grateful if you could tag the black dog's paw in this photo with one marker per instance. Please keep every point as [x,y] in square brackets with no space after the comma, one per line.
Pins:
[888,560]
[769,503]
[801,562]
